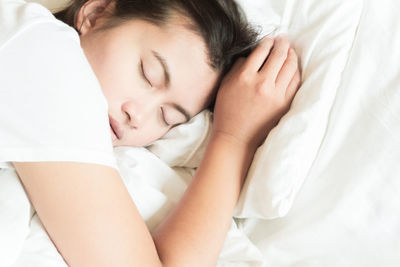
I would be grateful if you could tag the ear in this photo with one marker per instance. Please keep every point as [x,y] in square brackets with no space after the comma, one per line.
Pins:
[89,14]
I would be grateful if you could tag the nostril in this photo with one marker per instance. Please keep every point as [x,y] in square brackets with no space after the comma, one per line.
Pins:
[131,123]
[131,111]
[129,116]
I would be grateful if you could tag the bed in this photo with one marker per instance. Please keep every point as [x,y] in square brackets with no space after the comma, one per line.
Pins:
[323,189]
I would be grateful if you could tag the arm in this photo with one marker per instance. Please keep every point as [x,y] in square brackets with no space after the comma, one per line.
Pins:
[91,218]
[88,213]
[249,104]
[194,233]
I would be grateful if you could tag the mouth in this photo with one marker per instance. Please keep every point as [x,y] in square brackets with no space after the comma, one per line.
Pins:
[116,131]
[113,135]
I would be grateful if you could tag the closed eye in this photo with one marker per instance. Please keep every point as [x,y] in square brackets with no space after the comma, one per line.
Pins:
[143,74]
[163,117]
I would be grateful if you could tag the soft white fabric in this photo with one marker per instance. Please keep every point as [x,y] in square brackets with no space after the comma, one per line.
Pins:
[51,104]
[345,214]
[154,186]
[322,33]
[15,215]
[185,144]
[282,164]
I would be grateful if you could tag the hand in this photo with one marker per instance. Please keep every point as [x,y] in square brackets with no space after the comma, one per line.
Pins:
[253,97]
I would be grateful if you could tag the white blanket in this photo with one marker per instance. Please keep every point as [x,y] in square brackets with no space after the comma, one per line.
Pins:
[332,182]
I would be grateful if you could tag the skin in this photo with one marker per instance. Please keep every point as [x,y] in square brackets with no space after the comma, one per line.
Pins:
[130,61]
[91,218]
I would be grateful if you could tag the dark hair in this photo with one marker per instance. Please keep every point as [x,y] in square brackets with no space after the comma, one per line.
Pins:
[221,23]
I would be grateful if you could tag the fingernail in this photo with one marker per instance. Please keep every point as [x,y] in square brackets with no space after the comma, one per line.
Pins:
[283,36]
[268,36]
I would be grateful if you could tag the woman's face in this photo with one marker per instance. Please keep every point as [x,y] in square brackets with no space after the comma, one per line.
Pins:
[153,77]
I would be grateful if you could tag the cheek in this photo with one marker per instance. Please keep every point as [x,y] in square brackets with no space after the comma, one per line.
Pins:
[119,85]
[115,74]
[117,70]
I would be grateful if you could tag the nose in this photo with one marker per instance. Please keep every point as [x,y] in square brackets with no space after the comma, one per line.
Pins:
[136,113]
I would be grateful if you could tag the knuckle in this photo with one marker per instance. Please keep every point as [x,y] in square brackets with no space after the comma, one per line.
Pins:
[282,44]
[262,90]
[285,41]
[293,55]
[263,82]
[293,64]
[297,76]
[284,38]
[268,42]
[293,51]
[280,53]
[243,76]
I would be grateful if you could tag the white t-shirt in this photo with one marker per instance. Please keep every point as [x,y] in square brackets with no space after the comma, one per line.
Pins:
[51,104]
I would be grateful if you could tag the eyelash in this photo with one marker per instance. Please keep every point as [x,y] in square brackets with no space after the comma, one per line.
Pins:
[144,75]
[147,80]
[163,117]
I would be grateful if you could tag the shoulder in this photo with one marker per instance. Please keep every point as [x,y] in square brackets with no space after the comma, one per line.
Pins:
[50,96]
[46,64]
[17,16]
[30,33]
[43,50]
[49,58]
[50,99]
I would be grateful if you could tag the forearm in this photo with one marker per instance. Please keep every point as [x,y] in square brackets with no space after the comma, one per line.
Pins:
[194,232]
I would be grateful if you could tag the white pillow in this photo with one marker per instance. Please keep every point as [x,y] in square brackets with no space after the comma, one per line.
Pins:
[322,33]
[184,145]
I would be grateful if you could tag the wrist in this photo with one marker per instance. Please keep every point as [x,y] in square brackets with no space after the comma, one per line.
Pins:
[233,142]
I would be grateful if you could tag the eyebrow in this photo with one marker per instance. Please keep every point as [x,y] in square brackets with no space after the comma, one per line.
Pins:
[167,81]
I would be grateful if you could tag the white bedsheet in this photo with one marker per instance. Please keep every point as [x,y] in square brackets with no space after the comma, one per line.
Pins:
[346,211]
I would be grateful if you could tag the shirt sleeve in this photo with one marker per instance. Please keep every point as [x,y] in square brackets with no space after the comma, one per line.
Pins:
[51,104]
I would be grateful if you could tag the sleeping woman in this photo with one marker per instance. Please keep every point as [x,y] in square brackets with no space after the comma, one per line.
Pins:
[104,73]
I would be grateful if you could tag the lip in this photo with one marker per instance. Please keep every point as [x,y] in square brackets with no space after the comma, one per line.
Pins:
[113,136]
[119,133]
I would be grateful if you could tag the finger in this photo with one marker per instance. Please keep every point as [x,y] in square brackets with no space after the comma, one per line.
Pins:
[288,70]
[257,58]
[276,59]
[294,86]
